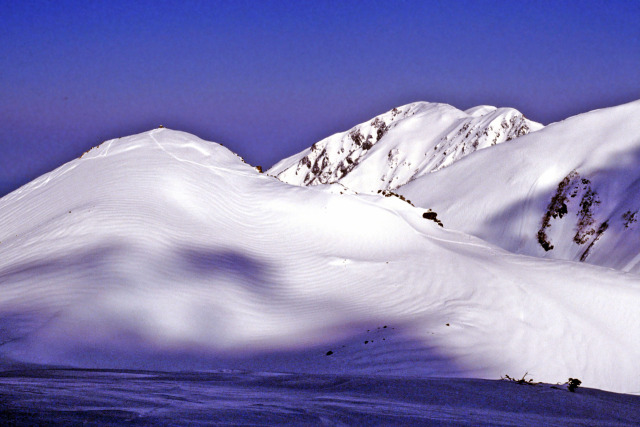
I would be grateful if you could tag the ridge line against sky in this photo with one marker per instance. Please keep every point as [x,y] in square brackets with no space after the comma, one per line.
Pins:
[269,78]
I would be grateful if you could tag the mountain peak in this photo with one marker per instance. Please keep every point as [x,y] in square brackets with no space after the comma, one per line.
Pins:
[480,110]
[406,142]
[154,148]
[174,143]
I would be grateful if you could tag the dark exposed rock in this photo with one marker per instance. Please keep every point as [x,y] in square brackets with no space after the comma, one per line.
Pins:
[557,208]
[630,218]
[430,215]
[603,227]
[571,187]
[356,137]
[585,227]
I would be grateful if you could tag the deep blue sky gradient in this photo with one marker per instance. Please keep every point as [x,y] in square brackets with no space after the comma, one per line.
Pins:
[269,78]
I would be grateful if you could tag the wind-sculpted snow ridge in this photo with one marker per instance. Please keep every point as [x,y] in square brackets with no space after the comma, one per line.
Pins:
[163,251]
[402,144]
[569,191]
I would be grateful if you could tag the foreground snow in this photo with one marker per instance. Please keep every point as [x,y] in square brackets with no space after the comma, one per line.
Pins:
[163,251]
[245,398]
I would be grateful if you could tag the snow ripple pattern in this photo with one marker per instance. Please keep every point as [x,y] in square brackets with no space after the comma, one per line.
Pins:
[161,250]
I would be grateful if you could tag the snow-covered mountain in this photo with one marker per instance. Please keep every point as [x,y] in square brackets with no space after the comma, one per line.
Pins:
[163,250]
[569,191]
[401,145]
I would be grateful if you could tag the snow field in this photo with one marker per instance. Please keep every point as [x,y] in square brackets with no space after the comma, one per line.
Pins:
[163,250]
[502,193]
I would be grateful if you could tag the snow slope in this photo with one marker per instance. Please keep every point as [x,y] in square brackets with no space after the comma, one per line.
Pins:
[400,145]
[569,191]
[99,397]
[161,250]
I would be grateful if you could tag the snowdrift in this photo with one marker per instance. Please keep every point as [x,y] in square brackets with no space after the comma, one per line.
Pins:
[161,250]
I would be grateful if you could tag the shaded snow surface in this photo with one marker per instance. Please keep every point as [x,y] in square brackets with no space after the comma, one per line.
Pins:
[245,398]
[162,251]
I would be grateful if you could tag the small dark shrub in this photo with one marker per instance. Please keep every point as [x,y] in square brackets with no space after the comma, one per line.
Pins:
[573,384]
[522,380]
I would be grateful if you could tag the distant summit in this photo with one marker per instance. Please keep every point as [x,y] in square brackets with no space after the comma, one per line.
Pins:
[396,147]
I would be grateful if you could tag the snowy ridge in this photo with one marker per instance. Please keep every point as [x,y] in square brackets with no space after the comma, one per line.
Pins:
[163,250]
[569,191]
[402,144]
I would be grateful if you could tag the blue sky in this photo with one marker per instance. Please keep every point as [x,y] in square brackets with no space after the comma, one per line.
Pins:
[269,78]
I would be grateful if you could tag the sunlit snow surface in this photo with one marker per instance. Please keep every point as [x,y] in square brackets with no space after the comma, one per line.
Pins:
[570,190]
[401,145]
[165,252]
[503,193]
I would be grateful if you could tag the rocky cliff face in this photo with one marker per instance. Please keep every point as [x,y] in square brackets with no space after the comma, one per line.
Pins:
[394,148]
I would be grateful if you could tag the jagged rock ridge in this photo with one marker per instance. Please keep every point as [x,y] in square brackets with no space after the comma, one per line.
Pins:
[402,144]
